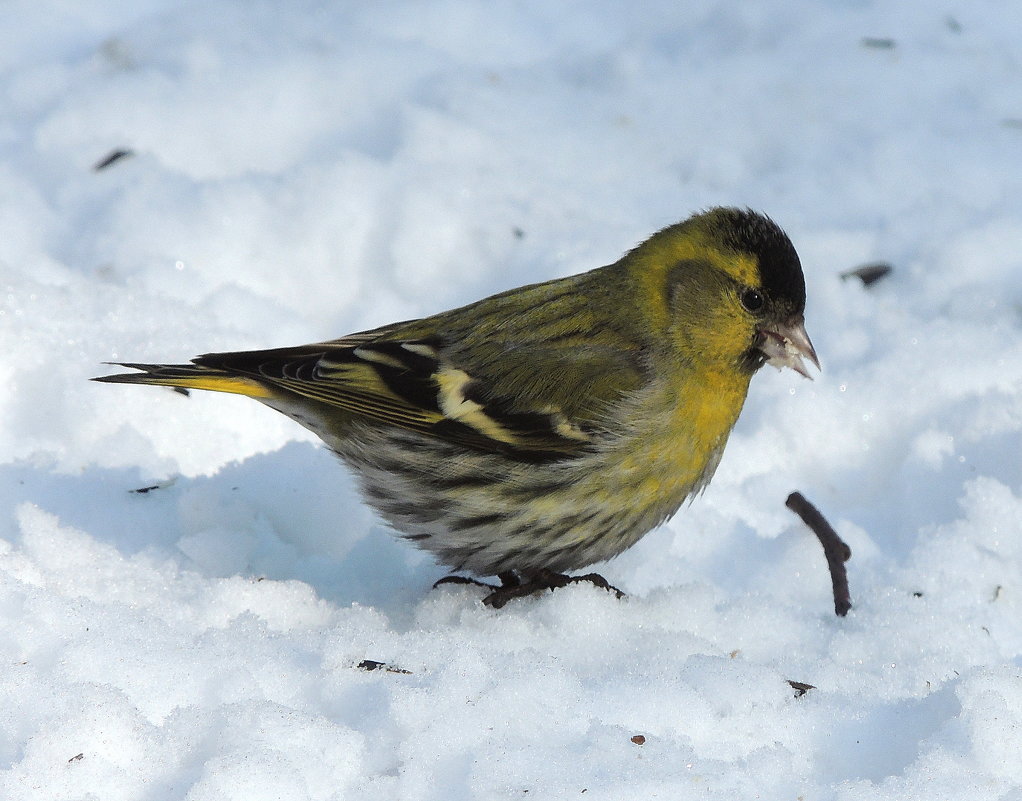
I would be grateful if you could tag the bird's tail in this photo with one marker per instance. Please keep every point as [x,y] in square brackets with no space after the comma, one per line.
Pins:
[188,376]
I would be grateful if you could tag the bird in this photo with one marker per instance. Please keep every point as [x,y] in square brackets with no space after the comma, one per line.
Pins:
[549,427]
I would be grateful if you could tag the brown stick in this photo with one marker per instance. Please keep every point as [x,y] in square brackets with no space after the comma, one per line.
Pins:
[834,548]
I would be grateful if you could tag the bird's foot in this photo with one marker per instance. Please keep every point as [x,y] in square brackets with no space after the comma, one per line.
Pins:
[539,581]
[453,579]
[508,579]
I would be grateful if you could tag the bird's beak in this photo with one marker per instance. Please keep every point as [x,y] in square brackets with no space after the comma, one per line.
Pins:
[786,343]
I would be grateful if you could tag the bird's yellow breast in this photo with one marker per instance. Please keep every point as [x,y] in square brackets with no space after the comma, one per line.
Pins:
[675,451]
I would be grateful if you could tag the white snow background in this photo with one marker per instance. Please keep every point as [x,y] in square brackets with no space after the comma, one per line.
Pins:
[303,170]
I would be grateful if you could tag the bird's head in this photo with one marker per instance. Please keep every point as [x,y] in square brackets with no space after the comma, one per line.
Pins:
[735,290]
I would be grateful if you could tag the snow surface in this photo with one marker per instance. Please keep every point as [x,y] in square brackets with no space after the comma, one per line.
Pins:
[302,170]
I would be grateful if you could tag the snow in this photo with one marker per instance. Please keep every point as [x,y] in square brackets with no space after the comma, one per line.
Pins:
[302,170]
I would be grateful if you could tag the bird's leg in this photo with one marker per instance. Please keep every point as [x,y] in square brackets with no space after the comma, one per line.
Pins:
[542,580]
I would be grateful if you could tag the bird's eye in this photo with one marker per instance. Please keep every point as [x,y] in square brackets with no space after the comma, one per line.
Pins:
[752,300]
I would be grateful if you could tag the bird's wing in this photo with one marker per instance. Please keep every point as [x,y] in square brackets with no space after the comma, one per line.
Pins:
[533,401]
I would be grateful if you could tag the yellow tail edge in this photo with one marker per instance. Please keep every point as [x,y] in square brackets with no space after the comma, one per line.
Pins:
[188,376]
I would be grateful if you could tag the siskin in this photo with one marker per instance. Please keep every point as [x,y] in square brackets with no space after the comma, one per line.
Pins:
[551,426]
